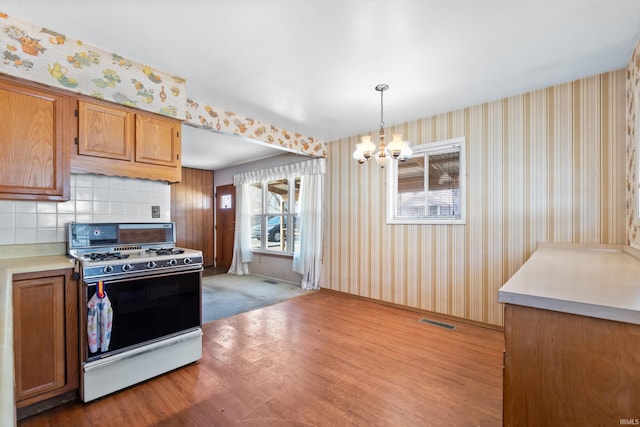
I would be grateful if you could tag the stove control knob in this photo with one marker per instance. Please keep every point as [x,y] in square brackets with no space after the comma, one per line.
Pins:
[173,262]
[127,267]
[151,264]
[187,261]
[108,269]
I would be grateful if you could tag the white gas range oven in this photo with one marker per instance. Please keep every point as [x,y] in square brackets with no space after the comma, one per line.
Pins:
[140,303]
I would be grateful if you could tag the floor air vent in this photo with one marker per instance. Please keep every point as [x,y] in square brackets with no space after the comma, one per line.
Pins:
[273,282]
[439,324]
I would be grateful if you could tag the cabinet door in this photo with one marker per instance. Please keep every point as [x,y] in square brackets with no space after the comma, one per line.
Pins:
[104,131]
[564,369]
[115,140]
[157,141]
[39,335]
[34,162]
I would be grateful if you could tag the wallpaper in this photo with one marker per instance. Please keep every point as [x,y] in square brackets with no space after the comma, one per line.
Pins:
[205,116]
[544,166]
[49,57]
[45,56]
[633,143]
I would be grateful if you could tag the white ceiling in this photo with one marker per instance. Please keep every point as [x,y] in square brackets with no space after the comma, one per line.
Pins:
[311,66]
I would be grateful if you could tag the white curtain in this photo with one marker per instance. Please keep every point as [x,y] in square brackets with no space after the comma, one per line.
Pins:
[242,238]
[307,257]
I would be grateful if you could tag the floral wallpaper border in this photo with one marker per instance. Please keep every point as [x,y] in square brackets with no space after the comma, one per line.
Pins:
[210,118]
[45,56]
[633,140]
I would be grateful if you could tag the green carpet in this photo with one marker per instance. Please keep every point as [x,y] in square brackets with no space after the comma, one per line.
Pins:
[224,295]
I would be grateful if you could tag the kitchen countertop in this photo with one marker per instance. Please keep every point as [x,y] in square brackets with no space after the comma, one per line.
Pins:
[37,263]
[8,267]
[601,281]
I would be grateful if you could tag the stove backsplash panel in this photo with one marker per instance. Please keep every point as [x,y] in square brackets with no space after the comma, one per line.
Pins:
[94,198]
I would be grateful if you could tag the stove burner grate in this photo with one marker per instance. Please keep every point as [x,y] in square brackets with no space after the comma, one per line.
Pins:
[105,256]
[165,251]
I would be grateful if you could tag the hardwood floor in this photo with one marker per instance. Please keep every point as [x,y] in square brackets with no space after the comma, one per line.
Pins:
[323,359]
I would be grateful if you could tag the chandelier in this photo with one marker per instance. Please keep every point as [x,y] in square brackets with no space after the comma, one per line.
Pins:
[397,149]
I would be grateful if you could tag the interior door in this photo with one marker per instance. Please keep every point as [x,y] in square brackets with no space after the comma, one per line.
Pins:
[225,224]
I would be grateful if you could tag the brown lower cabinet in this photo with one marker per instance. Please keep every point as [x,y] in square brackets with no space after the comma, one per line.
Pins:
[45,307]
[563,369]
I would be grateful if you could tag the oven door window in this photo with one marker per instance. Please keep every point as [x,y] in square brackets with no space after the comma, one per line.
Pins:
[148,309]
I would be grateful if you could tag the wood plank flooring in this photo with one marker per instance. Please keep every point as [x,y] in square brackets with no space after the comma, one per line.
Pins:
[323,359]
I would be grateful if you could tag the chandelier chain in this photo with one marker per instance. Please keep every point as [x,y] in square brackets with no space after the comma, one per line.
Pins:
[381,109]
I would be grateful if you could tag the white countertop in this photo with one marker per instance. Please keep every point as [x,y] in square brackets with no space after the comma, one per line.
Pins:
[600,281]
[37,263]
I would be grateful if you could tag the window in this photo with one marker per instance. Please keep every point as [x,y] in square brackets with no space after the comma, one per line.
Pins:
[429,188]
[274,223]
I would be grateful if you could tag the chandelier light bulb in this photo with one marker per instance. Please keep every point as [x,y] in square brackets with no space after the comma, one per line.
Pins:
[358,154]
[367,147]
[405,153]
[396,145]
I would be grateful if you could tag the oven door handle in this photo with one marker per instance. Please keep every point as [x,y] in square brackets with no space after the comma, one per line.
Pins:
[131,276]
[166,342]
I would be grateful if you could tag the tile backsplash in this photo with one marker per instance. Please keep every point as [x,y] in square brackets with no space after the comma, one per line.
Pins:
[94,198]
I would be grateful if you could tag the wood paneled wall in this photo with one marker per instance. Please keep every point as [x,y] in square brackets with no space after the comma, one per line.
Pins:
[192,210]
[547,165]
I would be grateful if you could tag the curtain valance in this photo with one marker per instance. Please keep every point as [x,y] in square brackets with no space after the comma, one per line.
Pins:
[309,167]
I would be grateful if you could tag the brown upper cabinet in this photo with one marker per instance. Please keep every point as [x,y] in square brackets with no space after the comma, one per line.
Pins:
[105,132]
[157,141]
[120,141]
[34,158]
